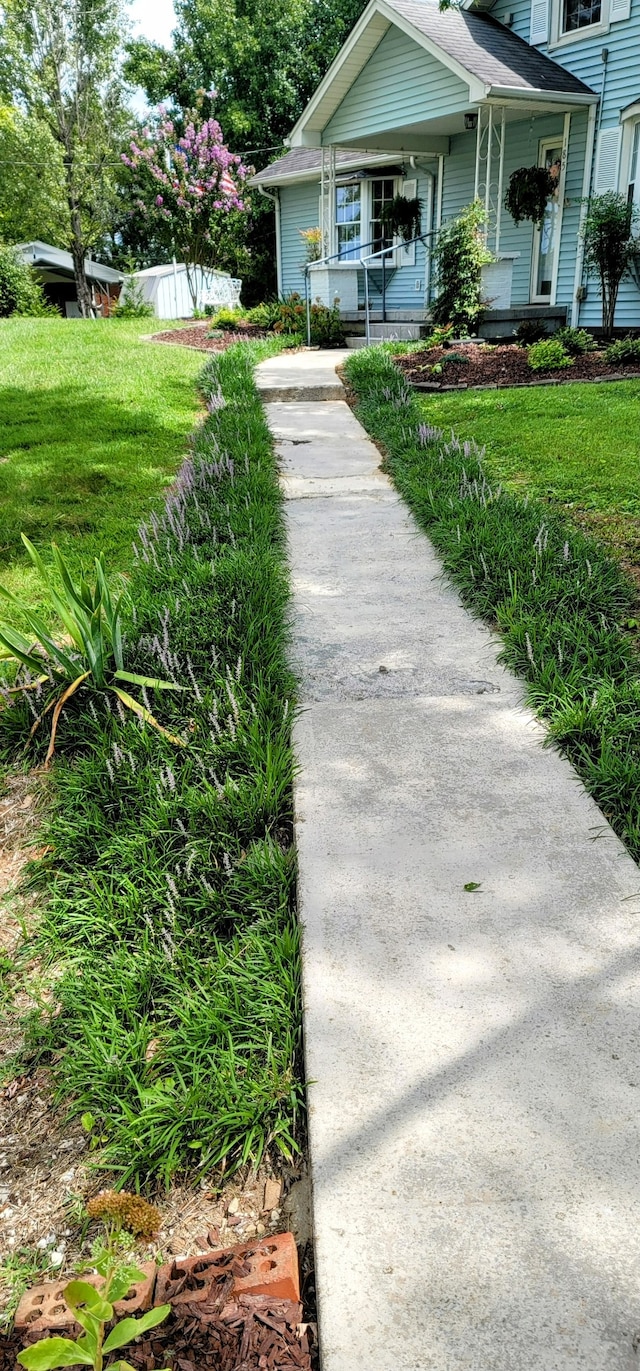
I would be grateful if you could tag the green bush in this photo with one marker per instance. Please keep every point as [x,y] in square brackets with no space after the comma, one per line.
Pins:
[132,304]
[20,292]
[576,341]
[326,325]
[611,245]
[530,331]
[548,355]
[227,317]
[265,315]
[624,350]
[459,256]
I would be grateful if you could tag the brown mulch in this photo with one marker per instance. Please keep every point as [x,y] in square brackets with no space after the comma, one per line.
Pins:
[246,1333]
[502,365]
[197,336]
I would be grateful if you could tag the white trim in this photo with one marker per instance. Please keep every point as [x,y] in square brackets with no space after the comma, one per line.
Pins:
[540,99]
[543,146]
[586,190]
[629,127]
[607,164]
[559,39]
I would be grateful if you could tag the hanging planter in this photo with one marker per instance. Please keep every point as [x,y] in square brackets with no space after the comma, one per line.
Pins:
[402,217]
[529,190]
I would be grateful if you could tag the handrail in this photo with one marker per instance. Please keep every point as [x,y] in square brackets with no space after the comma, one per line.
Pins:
[364,262]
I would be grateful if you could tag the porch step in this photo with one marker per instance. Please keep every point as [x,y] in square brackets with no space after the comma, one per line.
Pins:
[395,332]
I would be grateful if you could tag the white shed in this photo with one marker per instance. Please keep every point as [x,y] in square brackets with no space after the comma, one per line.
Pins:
[167,289]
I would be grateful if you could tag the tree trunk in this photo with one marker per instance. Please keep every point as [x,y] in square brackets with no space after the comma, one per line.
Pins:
[78,253]
[192,281]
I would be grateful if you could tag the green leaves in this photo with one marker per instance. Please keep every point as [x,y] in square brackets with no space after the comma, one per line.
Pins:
[129,1329]
[49,1353]
[92,620]
[80,1295]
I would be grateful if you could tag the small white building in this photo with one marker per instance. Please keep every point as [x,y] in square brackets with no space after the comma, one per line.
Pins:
[166,288]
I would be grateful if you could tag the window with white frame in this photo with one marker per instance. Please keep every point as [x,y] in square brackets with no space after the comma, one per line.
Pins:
[580,14]
[359,226]
[349,220]
[634,167]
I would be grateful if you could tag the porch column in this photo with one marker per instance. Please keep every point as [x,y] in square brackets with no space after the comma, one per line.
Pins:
[489,179]
[327,198]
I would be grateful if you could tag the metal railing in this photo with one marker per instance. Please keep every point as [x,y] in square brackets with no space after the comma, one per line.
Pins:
[364,262]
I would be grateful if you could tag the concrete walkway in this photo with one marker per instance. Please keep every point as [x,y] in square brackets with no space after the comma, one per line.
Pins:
[473,1057]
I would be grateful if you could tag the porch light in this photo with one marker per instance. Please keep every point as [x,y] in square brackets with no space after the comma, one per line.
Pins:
[470,122]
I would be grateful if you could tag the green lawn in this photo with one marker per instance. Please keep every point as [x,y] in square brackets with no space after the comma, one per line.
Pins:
[576,446]
[93,425]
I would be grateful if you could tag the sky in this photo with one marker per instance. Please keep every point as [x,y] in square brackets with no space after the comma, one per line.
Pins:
[153,19]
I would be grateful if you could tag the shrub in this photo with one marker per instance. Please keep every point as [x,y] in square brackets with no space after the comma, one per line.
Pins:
[459,256]
[326,325]
[576,341]
[312,239]
[610,246]
[624,350]
[132,304]
[548,355]
[265,315]
[530,331]
[228,317]
[20,292]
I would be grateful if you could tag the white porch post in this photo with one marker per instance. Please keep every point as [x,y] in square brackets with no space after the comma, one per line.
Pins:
[489,178]
[327,198]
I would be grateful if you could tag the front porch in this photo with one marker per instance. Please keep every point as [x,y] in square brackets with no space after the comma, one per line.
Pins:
[455,103]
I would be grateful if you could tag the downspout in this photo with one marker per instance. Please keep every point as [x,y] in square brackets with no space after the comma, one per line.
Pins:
[586,191]
[276,200]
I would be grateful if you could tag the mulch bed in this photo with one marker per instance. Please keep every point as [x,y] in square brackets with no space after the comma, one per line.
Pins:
[504,365]
[248,1333]
[196,336]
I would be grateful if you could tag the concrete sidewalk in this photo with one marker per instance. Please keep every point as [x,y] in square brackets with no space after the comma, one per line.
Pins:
[473,1056]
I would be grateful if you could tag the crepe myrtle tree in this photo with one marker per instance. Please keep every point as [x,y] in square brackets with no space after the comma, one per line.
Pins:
[185,184]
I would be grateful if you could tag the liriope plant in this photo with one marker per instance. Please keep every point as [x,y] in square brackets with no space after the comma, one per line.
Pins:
[91,654]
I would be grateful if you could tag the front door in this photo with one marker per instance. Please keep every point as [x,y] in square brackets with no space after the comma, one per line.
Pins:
[546,240]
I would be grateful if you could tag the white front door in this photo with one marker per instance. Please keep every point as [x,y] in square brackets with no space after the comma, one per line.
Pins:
[546,240]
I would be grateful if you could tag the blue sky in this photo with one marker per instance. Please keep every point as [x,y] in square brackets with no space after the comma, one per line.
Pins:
[153,19]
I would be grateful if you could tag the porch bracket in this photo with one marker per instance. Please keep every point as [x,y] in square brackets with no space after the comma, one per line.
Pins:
[489,178]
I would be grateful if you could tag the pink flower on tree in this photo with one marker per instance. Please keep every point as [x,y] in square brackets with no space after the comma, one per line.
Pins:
[200,180]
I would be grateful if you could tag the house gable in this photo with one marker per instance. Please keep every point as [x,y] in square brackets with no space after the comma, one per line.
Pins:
[400,86]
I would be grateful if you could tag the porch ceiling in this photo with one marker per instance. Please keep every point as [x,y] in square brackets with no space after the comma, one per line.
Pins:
[432,137]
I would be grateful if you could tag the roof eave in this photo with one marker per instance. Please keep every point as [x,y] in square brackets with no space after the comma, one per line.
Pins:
[521,94]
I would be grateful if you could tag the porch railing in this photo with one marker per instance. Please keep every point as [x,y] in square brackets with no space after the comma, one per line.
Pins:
[365,262]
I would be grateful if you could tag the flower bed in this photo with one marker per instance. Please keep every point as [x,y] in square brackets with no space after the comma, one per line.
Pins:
[504,365]
[199,336]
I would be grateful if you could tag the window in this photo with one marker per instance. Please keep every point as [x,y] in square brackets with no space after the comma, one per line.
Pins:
[634,168]
[580,14]
[382,193]
[349,221]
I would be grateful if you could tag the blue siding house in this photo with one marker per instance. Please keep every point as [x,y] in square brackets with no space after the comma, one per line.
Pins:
[445,106]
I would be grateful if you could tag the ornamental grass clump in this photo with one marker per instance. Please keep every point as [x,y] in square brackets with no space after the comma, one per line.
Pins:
[92,1304]
[167,881]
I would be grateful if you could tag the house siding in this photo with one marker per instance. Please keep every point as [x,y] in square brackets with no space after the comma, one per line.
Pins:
[299,209]
[401,84]
[622,85]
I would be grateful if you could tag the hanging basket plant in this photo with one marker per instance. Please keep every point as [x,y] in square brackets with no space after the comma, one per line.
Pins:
[402,217]
[529,190]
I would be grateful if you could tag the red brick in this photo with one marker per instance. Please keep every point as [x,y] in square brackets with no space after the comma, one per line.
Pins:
[43,1309]
[271,1268]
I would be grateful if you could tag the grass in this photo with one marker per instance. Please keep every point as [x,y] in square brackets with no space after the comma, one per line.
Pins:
[560,601]
[94,426]
[575,446]
[167,922]
[19,1270]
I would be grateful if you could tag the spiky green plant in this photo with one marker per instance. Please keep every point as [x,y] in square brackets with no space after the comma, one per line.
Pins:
[92,654]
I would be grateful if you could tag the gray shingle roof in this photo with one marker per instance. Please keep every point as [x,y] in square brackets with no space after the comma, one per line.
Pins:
[487,49]
[300,160]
